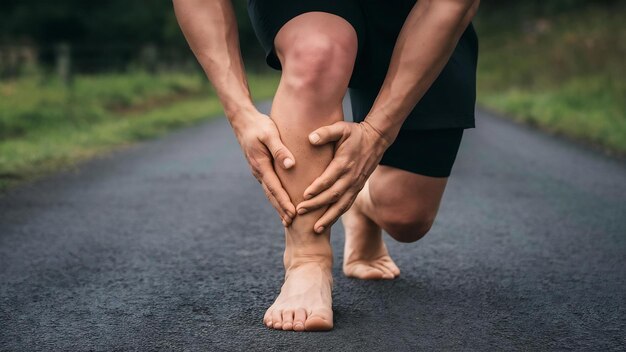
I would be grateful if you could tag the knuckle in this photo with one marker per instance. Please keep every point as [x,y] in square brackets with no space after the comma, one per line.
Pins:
[360,180]
[255,165]
[347,164]
[335,196]
[278,152]
[265,133]
[346,129]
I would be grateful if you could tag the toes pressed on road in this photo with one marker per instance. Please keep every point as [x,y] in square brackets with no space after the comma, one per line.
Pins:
[171,245]
[304,302]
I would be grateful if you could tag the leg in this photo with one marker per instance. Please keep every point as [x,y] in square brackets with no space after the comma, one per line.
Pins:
[317,52]
[406,211]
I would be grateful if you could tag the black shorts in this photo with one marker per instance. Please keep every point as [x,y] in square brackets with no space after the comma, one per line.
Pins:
[436,123]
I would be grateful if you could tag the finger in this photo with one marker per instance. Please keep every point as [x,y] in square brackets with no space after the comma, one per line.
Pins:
[327,197]
[275,188]
[330,133]
[333,172]
[334,212]
[279,151]
[285,219]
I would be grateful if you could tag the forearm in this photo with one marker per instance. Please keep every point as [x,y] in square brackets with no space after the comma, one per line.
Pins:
[424,46]
[210,28]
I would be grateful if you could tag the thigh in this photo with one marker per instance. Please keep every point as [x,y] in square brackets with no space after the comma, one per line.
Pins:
[424,152]
[449,101]
[405,196]
[412,175]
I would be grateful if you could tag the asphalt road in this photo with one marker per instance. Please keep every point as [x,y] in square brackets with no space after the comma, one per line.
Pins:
[171,245]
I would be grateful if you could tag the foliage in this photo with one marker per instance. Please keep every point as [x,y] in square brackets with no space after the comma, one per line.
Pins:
[104,35]
[106,112]
[563,72]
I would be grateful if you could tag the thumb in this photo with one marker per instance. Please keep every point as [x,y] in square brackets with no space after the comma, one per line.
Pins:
[279,151]
[330,133]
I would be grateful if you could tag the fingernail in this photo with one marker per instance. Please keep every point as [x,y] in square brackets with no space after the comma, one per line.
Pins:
[308,196]
[288,163]
[314,137]
[302,211]
[284,223]
[320,229]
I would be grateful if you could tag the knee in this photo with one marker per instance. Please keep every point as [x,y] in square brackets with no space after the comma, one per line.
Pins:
[319,59]
[407,228]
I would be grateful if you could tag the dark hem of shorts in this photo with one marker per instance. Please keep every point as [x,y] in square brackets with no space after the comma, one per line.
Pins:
[418,122]
[412,170]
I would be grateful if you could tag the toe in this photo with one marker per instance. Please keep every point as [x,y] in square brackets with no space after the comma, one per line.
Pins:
[267,318]
[277,319]
[319,320]
[392,267]
[299,317]
[363,271]
[287,319]
[387,274]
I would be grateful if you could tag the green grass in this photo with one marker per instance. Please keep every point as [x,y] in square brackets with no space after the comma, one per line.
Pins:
[45,126]
[563,73]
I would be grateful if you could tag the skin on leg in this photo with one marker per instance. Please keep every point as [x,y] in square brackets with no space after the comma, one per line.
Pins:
[402,203]
[317,52]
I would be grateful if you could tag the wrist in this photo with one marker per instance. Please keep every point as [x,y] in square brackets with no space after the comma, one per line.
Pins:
[384,126]
[241,116]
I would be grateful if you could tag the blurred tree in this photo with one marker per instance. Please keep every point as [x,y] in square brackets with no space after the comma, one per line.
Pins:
[113,33]
[103,34]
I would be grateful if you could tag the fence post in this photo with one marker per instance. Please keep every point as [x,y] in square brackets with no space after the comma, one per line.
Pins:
[64,63]
[150,58]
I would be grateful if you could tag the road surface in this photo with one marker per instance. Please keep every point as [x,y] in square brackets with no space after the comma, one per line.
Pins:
[171,245]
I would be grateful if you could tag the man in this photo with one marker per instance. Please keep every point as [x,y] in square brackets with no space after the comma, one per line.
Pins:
[388,169]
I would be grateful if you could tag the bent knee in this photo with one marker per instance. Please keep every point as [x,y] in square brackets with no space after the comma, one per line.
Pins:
[408,229]
[318,59]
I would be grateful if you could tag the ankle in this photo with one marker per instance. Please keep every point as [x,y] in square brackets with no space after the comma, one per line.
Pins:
[296,257]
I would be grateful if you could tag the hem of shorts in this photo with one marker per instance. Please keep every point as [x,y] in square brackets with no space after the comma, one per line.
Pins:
[417,170]
[271,59]
[419,122]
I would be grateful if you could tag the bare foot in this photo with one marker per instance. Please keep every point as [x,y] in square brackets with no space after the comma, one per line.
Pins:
[365,253]
[305,300]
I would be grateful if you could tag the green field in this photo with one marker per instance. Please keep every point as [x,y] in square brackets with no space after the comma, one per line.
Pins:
[564,73]
[45,126]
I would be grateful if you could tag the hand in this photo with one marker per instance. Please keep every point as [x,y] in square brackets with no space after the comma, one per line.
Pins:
[358,151]
[258,136]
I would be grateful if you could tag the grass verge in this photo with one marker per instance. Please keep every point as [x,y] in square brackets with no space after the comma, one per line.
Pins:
[46,127]
[562,73]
